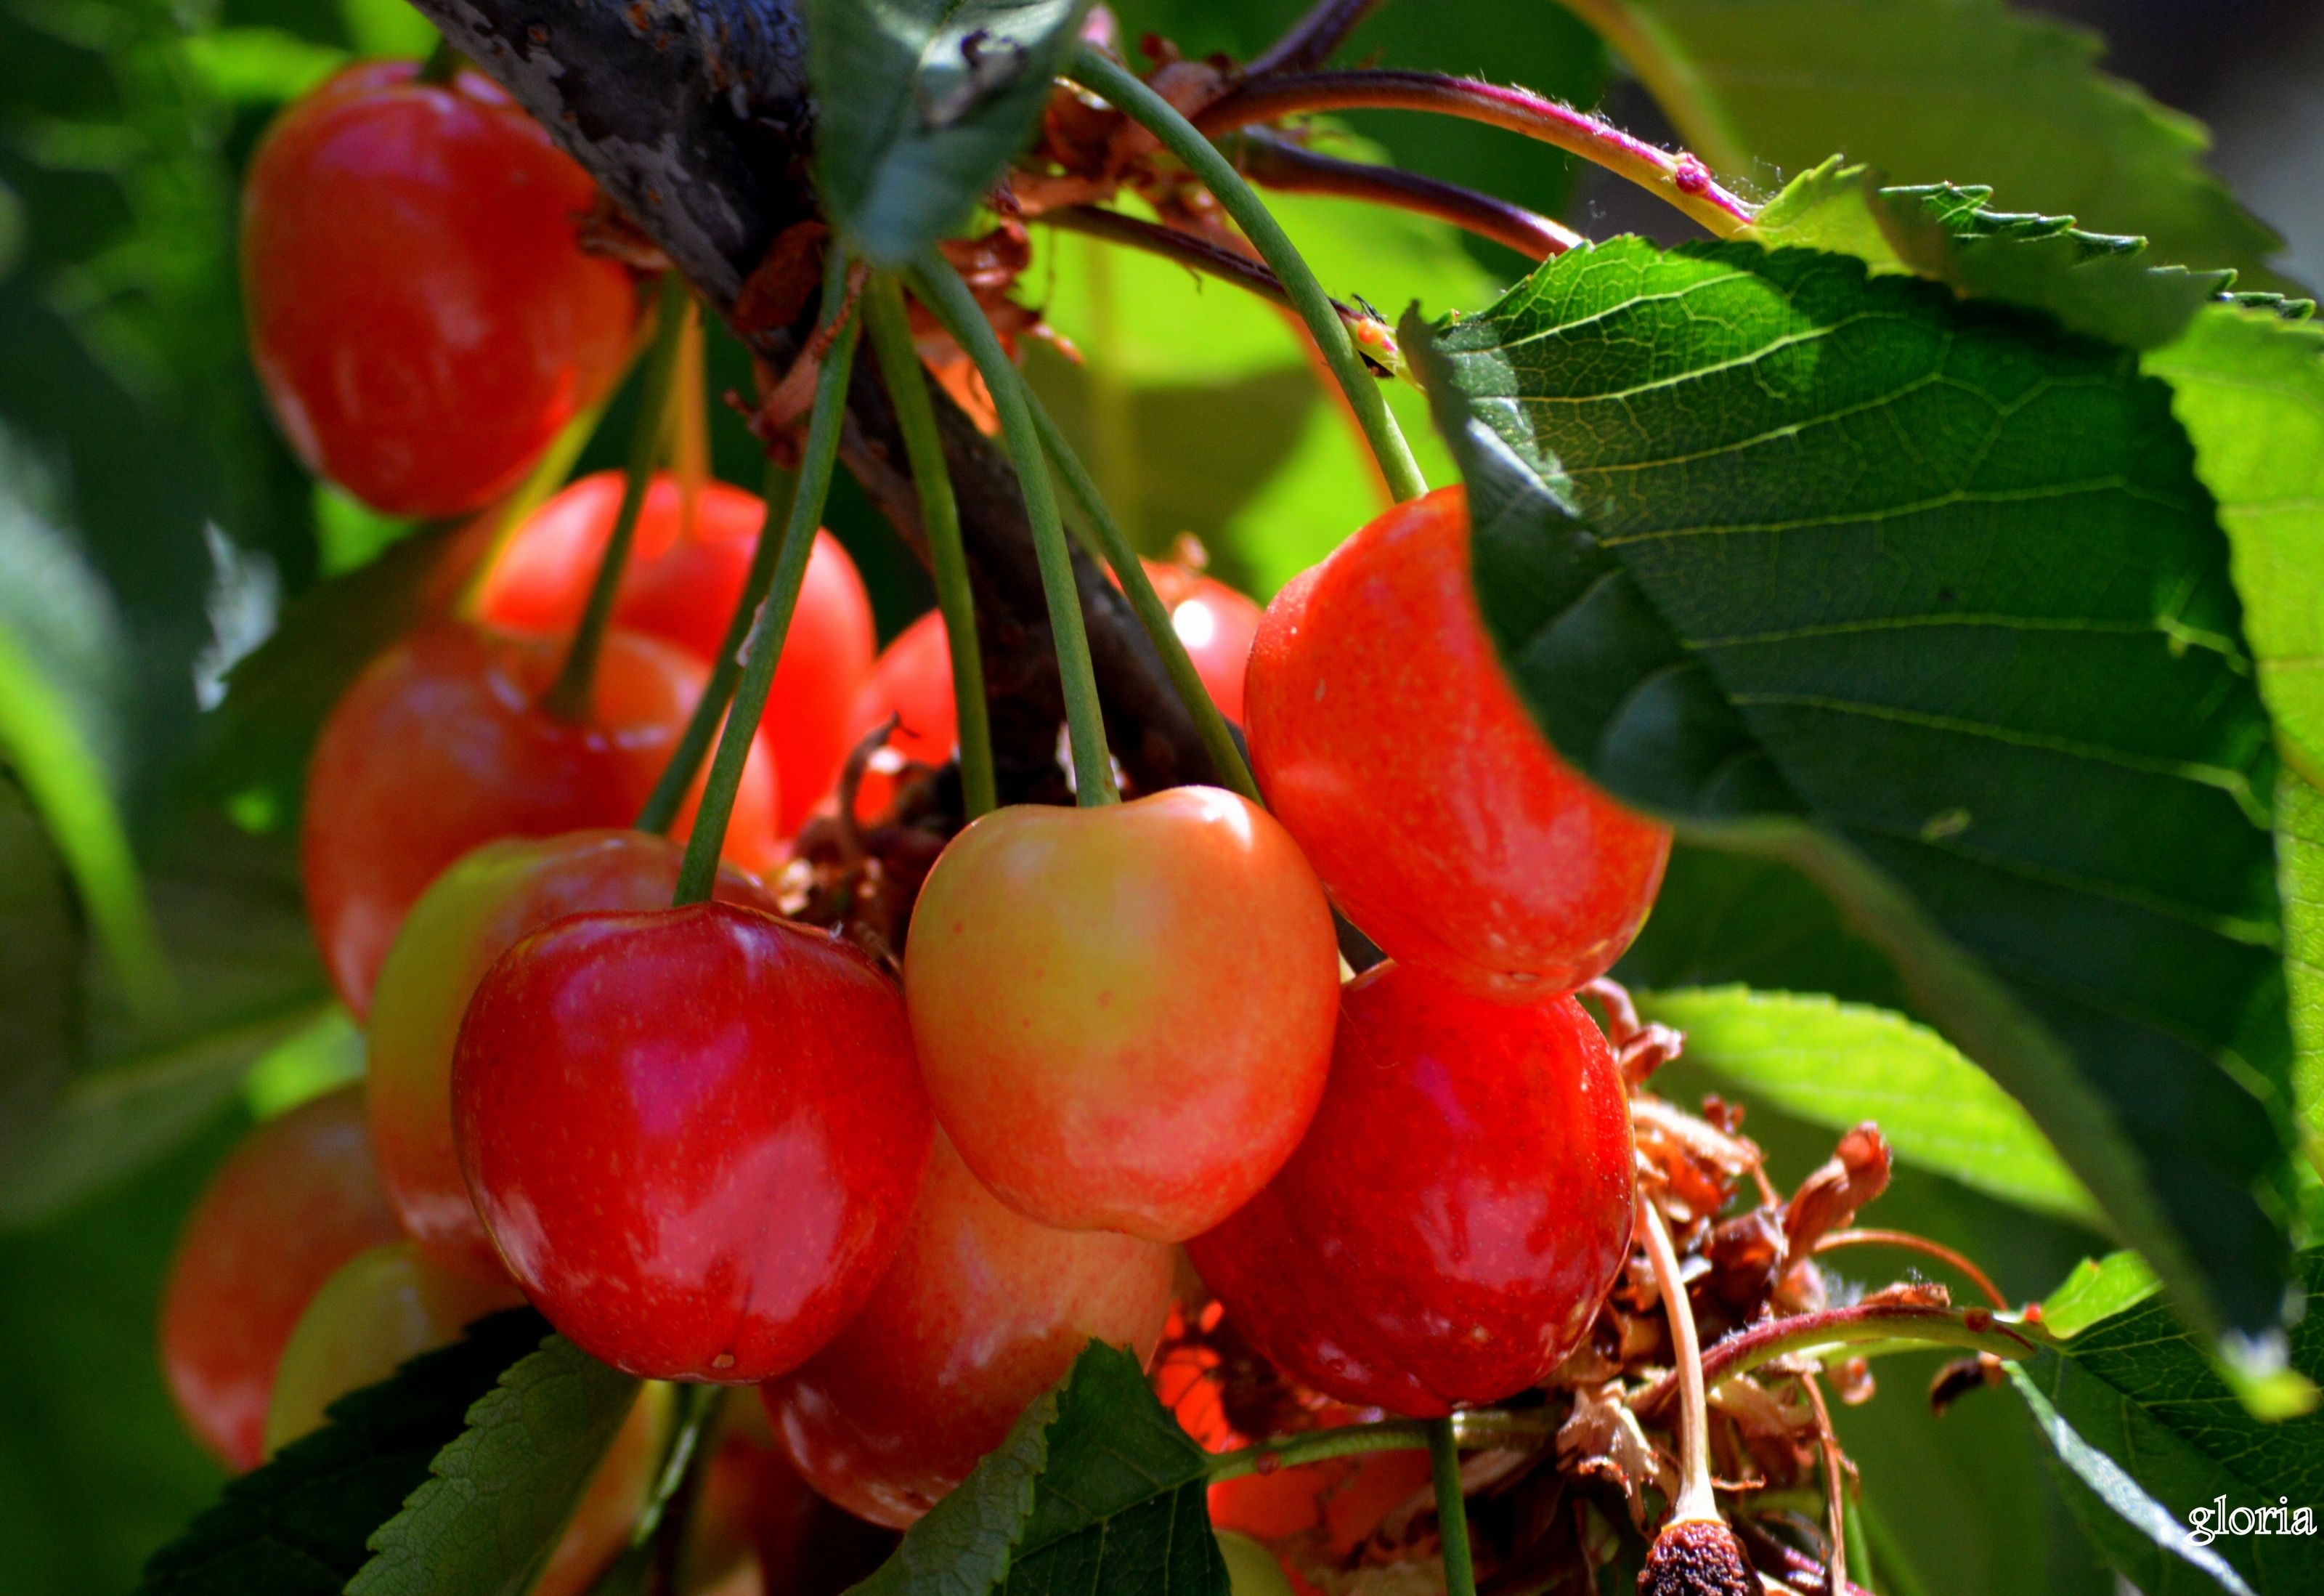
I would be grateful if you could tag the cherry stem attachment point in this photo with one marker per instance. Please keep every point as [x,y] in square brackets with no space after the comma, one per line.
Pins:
[915,416]
[1218,742]
[940,288]
[442,65]
[1681,180]
[764,645]
[1451,1508]
[567,697]
[1093,71]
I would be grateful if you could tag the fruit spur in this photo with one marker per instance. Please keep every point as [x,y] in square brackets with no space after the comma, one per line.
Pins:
[722,1010]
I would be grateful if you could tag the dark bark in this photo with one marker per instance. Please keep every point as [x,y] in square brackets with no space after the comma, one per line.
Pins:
[694,118]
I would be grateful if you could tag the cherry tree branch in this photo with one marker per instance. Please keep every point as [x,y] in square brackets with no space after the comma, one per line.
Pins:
[1309,42]
[693,115]
[1277,164]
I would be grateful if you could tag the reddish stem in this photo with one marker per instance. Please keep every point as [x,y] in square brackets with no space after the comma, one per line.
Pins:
[1681,180]
[1309,42]
[1834,1483]
[1277,164]
[1199,254]
[1907,1240]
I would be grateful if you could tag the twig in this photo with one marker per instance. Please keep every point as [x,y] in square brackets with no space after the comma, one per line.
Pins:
[1936,1249]
[1681,180]
[1277,164]
[1309,42]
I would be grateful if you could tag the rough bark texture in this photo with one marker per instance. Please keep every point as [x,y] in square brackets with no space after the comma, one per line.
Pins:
[694,118]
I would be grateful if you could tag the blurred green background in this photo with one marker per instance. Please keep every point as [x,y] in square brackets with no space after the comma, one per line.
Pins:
[151,522]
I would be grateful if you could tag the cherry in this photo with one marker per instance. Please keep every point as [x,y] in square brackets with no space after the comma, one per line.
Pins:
[1458,1212]
[1217,625]
[1124,1014]
[420,313]
[391,1304]
[910,681]
[695,1134]
[982,1312]
[296,1200]
[386,1304]
[682,586]
[473,913]
[1392,744]
[440,745]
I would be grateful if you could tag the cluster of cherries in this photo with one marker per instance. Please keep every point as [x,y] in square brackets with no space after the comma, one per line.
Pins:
[711,1144]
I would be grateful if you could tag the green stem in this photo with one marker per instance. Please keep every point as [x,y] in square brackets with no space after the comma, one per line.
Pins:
[1313,1446]
[764,645]
[669,792]
[567,697]
[442,65]
[1451,1508]
[916,415]
[1093,71]
[942,290]
[1226,758]
[1896,1570]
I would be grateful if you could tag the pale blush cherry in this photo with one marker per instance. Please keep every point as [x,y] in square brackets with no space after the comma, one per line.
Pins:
[1124,1014]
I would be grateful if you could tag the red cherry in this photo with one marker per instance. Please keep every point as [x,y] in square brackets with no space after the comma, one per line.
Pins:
[297,1199]
[441,745]
[1458,1212]
[1124,1014]
[1217,625]
[981,1313]
[1390,743]
[684,588]
[694,1135]
[420,312]
[472,914]
[912,681]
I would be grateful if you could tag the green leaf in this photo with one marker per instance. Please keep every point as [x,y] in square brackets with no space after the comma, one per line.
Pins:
[920,105]
[322,1056]
[1837,1065]
[2151,1431]
[300,1524]
[1936,91]
[1921,596]
[259,66]
[2095,283]
[1096,1488]
[39,960]
[2300,875]
[501,1493]
[2098,1288]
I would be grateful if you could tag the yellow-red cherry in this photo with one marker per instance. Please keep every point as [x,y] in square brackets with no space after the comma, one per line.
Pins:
[694,1135]
[472,914]
[1124,1014]
[421,314]
[1389,741]
[442,743]
[982,1312]
[682,583]
[295,1201]
[1458,1212]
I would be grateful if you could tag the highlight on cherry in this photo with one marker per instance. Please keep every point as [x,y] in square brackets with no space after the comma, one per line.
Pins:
[875,974]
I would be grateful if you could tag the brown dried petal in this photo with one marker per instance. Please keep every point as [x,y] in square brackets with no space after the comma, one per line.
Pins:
[1827,1200]
[1601,1439]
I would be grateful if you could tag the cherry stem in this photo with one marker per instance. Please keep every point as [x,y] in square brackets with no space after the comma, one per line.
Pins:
[940,288]
[764,645]
[1474,1426]
[686,439]
[1310,42]
[555,463]
[442,65]
[1863,1326]
[1278,163]
[1694,1500]
[567,697]
[1218,742]
[1834,1483]
[1197,254]
[668,795]
[915,416]
[1452,1507]
[1907,1240]
[1093,71]
[1681,180]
